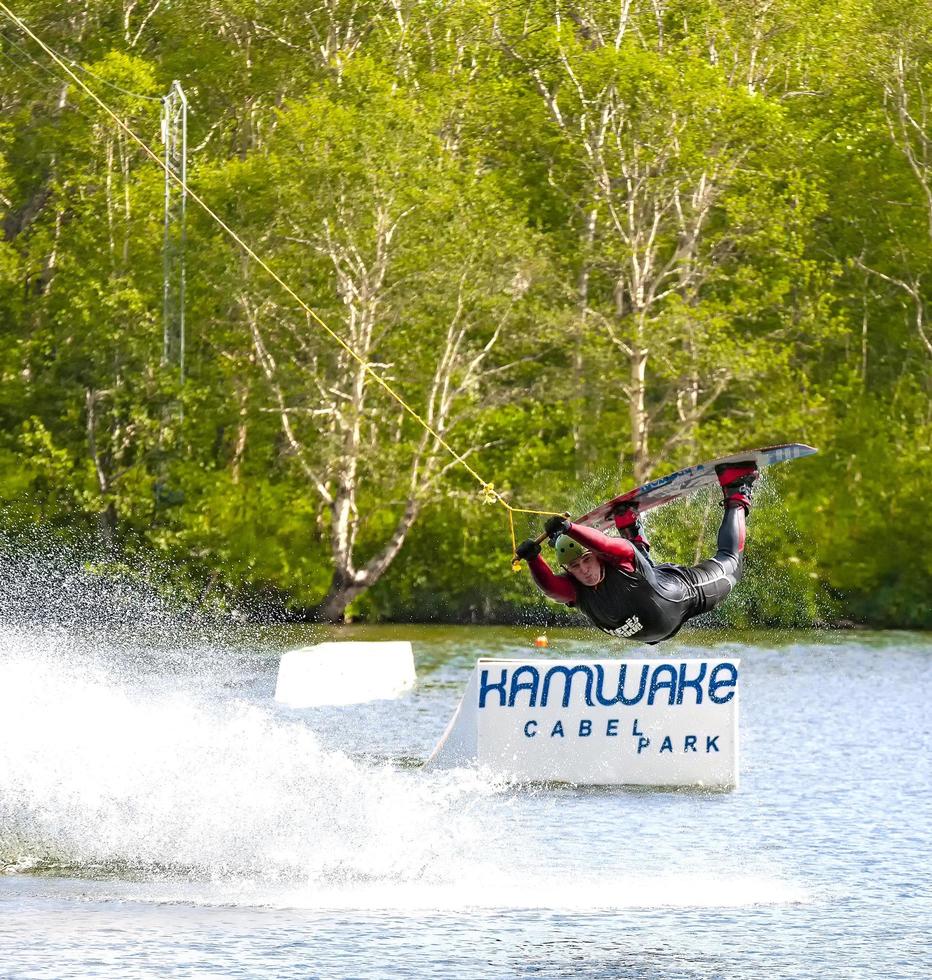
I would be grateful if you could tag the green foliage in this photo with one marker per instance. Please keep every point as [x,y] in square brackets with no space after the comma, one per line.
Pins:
[734,197]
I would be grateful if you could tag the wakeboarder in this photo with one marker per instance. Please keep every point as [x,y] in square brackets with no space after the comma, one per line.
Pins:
[613,581]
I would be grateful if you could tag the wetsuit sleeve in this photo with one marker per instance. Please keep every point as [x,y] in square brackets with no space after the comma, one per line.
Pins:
[559,587]
[617,551]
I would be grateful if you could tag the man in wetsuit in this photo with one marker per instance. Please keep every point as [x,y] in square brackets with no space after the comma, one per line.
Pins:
[617,586]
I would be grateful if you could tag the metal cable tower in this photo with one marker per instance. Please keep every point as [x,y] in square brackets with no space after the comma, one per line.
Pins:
[175,141]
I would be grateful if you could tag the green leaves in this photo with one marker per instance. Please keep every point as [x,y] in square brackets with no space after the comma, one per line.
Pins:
[589,244]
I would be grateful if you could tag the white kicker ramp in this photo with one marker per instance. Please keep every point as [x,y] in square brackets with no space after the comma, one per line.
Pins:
[671,722]
[345,673]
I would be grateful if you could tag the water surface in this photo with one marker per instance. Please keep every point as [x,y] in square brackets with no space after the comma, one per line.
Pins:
[160,816]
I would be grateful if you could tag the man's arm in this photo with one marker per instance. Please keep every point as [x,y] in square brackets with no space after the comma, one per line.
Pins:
[616,551]
[558,587]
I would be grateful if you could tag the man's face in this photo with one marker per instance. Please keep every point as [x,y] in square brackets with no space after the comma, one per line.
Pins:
[586,569]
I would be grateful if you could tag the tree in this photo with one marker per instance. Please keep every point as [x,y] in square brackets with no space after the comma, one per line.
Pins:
[664,163]
[902,69]
[86,235]
[361,191]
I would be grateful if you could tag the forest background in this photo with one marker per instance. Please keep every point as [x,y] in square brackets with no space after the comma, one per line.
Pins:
[590,242]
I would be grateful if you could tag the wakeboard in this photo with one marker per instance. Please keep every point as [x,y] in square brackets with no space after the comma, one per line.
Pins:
[669,488]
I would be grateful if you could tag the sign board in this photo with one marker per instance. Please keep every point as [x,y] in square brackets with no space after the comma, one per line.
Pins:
[670,722]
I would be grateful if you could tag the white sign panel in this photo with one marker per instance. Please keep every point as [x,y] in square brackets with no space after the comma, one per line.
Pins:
[671,722]
[348,672]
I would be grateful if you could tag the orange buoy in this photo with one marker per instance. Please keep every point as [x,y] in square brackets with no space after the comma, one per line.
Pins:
[542,641]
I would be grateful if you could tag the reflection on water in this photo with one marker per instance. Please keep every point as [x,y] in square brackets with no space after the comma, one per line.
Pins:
[152,792]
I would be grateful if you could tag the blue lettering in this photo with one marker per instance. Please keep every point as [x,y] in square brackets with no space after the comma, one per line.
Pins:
[689,743]
[529,685]
[634,728]
[485,687]
[721,680]
[585,727]
[666,745]
[568,673]
[527,728]
[711,743]
[643,742]
[715,684]
[612,727]
[656,684]
[557,729]
[620,694]
[695,683]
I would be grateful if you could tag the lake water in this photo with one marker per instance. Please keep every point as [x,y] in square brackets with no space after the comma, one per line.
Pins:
[161,816]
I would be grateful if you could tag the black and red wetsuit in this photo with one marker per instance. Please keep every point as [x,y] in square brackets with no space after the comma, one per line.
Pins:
[637,599]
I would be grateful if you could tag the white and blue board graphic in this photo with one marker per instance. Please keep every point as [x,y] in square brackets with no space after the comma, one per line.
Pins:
[669,722]
[666,489]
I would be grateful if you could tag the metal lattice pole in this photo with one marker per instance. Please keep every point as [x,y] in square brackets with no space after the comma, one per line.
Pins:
[175,141]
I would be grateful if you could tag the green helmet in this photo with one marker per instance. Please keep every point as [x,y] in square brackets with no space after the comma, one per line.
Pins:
[567,550]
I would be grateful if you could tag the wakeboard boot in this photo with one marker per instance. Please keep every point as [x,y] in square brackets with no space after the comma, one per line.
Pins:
[737,483]
[628,522]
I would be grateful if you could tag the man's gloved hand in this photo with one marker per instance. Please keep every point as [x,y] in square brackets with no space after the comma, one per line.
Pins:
[528,549]
[556,526]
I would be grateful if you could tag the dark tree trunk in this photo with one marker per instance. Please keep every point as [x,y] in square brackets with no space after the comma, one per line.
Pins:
[107,526]
[332,608]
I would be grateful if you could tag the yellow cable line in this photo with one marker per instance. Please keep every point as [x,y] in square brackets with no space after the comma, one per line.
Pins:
[489,493]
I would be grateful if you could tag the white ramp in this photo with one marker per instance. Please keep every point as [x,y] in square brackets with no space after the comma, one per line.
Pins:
[345,673]
[671,722]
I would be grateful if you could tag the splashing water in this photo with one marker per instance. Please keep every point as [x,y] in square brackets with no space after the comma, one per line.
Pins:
[160,813]
[140,744]
[96,772]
